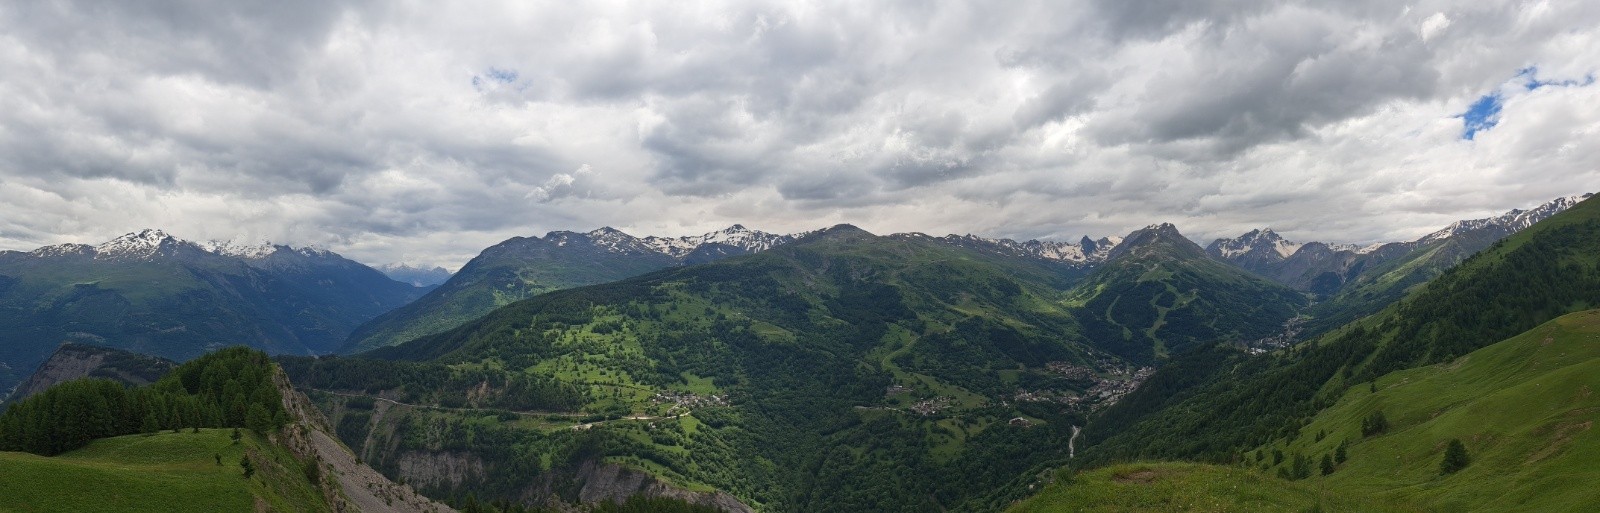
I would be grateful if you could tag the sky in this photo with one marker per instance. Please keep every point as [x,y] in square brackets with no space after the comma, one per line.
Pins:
[422,132]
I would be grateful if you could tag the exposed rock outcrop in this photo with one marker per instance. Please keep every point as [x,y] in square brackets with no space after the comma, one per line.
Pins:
[348,484]
[76,361]
[602,482]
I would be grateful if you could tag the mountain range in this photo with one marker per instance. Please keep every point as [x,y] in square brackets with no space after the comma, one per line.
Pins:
[1493,356]
[742,371]
[156,294]
[522,267]
[1325,268]
[417,276]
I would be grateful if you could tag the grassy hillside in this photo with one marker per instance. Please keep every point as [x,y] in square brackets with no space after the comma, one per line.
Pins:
[1524,408]
[1187,487]
[165,472]
[1519,282]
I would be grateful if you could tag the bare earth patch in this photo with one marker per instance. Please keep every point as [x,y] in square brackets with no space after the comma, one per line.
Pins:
[1140,477]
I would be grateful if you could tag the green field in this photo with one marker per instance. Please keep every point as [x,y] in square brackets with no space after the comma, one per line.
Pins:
[165,472]
[1187,487]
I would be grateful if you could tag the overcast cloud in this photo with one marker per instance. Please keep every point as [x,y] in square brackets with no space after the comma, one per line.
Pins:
[422,132]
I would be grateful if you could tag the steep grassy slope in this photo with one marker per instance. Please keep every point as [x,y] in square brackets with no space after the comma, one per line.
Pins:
[1187,487]
[166,472]
[1243,401]
[1159,293]
[1525,409]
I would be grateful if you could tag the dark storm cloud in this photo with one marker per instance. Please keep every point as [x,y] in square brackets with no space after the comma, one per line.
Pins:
[247,42]
[1158,18]
[1272,78]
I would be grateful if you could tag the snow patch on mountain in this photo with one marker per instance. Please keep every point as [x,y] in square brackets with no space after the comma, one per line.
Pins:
[736,236]
[1513,220]
[61,250]
[1255,241]
[249,250]
[142,244]
[1086,250]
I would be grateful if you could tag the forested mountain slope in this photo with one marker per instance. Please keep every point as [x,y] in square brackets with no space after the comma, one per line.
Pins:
[523,267]
[1219,402]
[802,378]
[1158,293]
[152,293]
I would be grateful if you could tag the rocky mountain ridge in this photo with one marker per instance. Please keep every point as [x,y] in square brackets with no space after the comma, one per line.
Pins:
[1326,268]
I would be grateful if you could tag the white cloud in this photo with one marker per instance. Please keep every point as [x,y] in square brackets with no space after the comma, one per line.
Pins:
[1433,25]
[425,132]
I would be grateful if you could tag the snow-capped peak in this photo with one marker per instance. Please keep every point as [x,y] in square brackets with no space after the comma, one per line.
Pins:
[1255,241]
[611,239]
[247,250]
[736,236]
[60,250]
[1513,220]
[1086,250]
[140,244]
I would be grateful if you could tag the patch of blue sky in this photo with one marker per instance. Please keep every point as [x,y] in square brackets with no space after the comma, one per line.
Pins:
[1484,114]
[503,76]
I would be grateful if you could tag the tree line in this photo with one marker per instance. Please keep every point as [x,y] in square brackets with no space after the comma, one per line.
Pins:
[229,388]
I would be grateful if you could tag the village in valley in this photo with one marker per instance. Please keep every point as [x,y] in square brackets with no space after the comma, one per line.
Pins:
[1104,388]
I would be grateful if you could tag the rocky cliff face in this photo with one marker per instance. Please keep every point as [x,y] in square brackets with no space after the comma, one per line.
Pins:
[439,469]
[572,487]
[601,482]
[76,361]
[347,484]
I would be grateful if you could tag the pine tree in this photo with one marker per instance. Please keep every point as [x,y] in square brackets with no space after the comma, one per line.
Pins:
[1327,464]
[1374,424]
[257,418]
[1339,454]
[249,468]
[1455,457]
[1301,468]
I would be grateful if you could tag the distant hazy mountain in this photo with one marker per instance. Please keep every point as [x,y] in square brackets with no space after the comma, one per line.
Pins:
[156,294]
[522,267]
[416,276]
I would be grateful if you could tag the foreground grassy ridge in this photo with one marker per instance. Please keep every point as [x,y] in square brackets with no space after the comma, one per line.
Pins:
[1187,487]
[165,472]
[1524,407]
